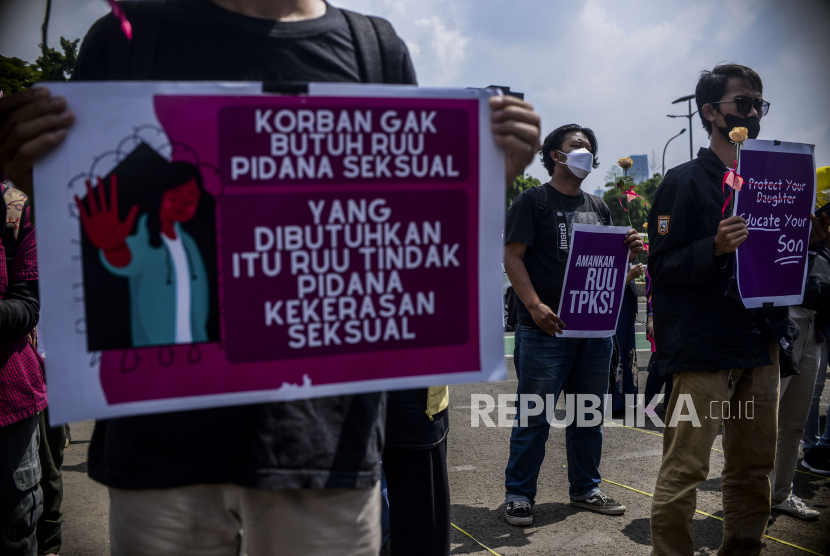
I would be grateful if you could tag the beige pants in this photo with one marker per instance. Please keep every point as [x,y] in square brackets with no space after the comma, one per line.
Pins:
[228,520]
[749,451]
[794,406]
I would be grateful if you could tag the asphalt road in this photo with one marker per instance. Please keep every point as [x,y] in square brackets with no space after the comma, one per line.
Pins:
[476,459]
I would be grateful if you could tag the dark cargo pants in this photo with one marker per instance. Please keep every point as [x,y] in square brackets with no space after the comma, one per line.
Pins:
[21,500]
[52,442]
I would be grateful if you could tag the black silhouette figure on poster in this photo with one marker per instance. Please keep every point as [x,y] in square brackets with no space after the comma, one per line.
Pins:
[149,255]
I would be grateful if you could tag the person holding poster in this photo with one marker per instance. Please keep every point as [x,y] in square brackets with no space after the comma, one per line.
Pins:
[535,256]
[720,354]
[295,477]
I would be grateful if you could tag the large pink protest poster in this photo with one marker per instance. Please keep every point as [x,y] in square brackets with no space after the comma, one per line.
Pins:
[315,245]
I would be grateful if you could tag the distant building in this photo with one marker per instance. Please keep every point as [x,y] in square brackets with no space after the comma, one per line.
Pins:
[640,169]
[599,192]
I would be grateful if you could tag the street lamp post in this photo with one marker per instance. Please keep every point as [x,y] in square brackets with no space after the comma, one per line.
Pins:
[682,131]
[689,115]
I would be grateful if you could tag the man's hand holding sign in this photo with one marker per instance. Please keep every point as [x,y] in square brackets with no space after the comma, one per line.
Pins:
[634,242]
[732,232]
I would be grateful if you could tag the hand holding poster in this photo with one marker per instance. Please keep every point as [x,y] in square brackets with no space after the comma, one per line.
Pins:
[776,200]
[594,281]
[223,248]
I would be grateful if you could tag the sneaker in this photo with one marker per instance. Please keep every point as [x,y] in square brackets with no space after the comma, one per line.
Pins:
[817,460]
[518,512]
[794,506]
[602,504]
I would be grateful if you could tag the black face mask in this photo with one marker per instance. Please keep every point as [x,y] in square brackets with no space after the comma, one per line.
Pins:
[752,125]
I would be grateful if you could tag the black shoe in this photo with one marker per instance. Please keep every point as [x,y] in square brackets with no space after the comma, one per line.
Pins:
[518,512]
[602,504]
[817,460]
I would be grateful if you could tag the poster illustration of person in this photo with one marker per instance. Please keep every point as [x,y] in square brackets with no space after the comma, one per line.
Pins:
[148,249]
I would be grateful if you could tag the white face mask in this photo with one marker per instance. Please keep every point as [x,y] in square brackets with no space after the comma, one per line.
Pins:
[580,162]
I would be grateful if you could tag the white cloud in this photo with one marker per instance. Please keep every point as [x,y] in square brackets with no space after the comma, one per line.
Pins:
[447,45]
[414,50]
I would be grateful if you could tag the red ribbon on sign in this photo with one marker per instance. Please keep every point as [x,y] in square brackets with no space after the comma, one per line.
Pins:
[119,14]
[734,180]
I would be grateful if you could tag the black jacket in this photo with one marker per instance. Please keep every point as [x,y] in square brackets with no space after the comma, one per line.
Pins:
[697,327]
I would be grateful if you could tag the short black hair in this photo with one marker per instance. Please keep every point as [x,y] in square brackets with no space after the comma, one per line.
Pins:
[555,139]
[712,85]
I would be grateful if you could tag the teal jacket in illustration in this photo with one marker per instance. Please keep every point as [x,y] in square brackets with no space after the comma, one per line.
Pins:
[152,284]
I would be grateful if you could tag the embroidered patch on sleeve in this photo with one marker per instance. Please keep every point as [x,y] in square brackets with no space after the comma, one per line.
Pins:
[663,225]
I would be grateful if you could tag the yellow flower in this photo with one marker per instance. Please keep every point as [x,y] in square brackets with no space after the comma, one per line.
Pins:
[645,225]
[739,134]
[625,162]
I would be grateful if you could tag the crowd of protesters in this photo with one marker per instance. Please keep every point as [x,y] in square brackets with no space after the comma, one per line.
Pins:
[304,477]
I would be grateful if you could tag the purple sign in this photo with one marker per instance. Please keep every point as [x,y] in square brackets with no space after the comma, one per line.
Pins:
[344,273]
[594,281]
[340,143]
[776,199]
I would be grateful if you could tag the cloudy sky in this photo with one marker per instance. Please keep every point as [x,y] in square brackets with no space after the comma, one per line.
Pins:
[612,65]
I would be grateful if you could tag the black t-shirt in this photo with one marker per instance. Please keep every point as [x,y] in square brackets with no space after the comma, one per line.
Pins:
[198,40]
[547,235]
[321,443]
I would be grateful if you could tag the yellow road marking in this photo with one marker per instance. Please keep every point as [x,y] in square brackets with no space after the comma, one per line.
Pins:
[490,550]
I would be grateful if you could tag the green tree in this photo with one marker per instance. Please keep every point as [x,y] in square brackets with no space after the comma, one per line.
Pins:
[55,66]
[51,65]
[16,74]
[520,184]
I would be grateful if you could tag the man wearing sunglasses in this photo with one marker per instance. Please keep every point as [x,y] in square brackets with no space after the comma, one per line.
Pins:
[720,354]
